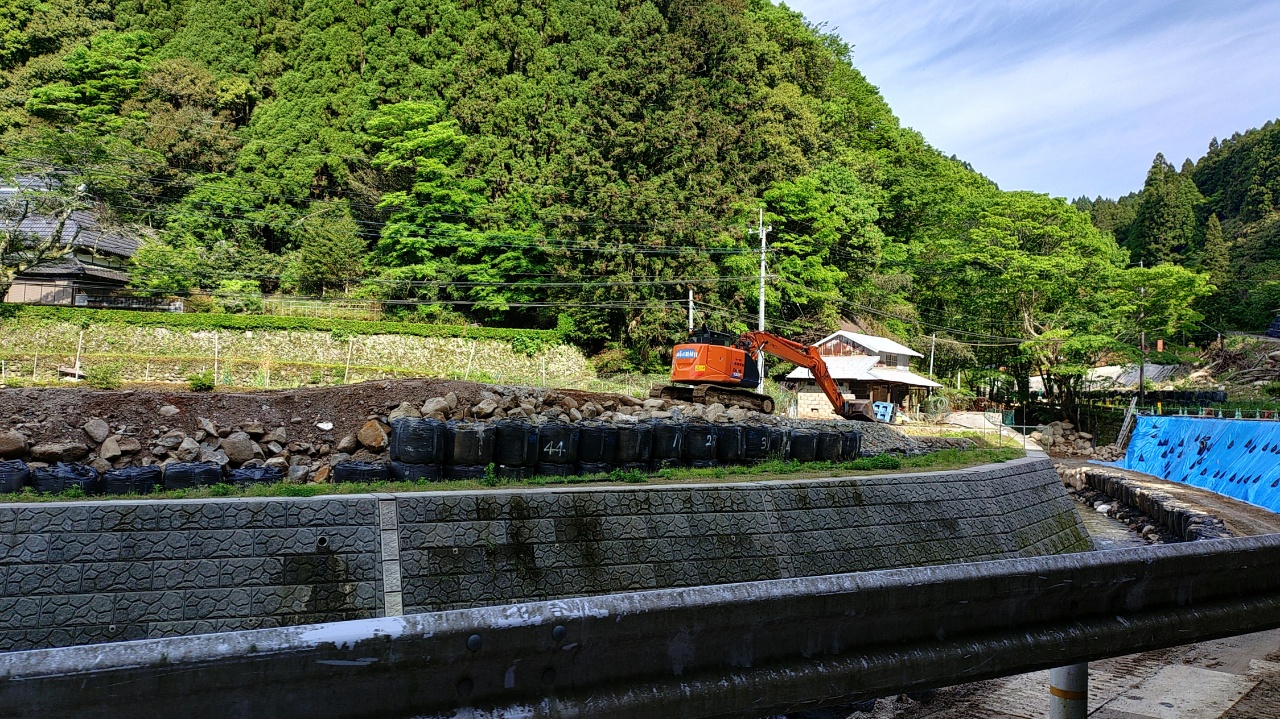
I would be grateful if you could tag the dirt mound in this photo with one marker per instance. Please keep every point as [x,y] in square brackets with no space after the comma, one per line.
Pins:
[306,432]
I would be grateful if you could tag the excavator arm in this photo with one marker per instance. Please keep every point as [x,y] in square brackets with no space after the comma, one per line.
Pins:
[807,356]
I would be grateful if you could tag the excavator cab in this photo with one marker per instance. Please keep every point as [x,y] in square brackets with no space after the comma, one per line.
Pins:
[709,357]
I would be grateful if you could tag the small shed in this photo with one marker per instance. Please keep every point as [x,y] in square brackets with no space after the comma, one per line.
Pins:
[865,367]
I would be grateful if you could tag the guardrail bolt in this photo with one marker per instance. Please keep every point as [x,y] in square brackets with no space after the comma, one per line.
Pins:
[465,686]
[474,642]
[558,632]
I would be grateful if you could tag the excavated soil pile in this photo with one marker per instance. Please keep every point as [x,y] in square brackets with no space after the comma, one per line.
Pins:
[347,433]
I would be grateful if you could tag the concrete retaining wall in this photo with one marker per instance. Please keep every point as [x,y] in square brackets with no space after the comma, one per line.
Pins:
[78,573]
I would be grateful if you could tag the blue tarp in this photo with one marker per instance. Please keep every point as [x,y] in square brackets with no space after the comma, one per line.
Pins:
[1235,457]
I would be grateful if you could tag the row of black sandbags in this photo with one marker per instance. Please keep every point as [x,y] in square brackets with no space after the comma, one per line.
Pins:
[431,449]
[14,475]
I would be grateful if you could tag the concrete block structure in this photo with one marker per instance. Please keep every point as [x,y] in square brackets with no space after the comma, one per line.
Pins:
[89,572]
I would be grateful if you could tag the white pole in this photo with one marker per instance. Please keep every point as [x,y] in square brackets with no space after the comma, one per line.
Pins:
[764,232]
[690,310]
[350,343]
[932,343]
[215,357]
[79,347]
[1069,692]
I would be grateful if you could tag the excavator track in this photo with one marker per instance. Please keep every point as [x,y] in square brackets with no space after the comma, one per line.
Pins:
[711,394]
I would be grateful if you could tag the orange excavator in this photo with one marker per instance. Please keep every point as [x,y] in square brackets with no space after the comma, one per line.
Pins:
[717,367]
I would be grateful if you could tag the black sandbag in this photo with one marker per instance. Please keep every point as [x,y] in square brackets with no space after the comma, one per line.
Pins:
[553,470]
[635,442]
[464,471]
[14,475]
[516,444]
[557,443]
[63,476]
[779,442]
[757,443]
[804,445]
[418,441]
[699,442]
[513,471]
[185,475]
[730,443]
[593,467]
[641,467]
[851,446]
[256,475]
[703,463]
[132,480]
[668,441]
[597,443]
[360,472]
[407,472]
[468,443]
[829,445]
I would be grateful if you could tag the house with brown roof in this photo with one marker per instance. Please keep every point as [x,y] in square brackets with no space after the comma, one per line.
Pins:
[865,367]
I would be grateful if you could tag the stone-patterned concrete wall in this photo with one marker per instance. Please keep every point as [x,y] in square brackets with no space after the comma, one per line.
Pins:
[506,546]
[77,573]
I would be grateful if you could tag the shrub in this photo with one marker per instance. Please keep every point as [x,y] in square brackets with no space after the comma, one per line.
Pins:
[201,381]
[1272,389]
[632,476]
[103,376]
[238,296]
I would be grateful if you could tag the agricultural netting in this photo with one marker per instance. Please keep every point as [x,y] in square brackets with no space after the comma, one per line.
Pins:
[1235,457]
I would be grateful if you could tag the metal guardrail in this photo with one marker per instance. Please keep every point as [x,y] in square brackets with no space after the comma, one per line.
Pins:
[738,650]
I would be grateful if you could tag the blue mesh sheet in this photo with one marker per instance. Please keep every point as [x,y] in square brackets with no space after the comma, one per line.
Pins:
[1238,458]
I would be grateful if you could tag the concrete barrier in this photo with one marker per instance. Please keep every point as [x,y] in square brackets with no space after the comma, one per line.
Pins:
[85,572]
[747,649]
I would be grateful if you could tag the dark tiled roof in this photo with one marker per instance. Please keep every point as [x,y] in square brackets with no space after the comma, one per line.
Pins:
[72,267]
[91,236]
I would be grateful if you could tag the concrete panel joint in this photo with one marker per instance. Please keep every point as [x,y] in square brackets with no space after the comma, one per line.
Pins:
[389,555]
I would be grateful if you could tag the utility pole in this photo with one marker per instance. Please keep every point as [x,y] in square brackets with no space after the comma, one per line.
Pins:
[690,310]
[763,231]
[932,343]
[1142,342]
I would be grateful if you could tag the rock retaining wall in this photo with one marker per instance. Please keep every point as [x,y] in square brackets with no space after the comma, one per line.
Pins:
[78,573]
[1185,521]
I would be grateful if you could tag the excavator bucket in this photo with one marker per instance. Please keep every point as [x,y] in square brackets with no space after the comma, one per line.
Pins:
[859,410]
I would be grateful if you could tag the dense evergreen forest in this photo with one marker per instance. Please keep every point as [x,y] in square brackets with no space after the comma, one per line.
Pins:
[1219,215]
[579,164]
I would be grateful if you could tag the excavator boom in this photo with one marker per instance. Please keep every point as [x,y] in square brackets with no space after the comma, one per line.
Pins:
[714,367]
[807,356]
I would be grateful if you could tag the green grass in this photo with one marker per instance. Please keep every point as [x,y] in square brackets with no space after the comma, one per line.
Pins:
[768,470]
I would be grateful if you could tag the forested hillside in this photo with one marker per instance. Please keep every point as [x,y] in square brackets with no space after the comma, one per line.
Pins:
[571,163]
[1219,215]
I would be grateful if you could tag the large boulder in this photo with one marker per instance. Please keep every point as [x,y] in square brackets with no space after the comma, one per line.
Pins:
[97,430]
[110,449]
[188,451]
[12,444]
[52,452]
[373,435]
[239,448]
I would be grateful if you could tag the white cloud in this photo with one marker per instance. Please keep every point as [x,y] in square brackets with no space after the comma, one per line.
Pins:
[1069,98]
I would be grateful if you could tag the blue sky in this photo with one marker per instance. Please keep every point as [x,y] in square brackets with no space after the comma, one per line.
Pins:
[1068,98]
